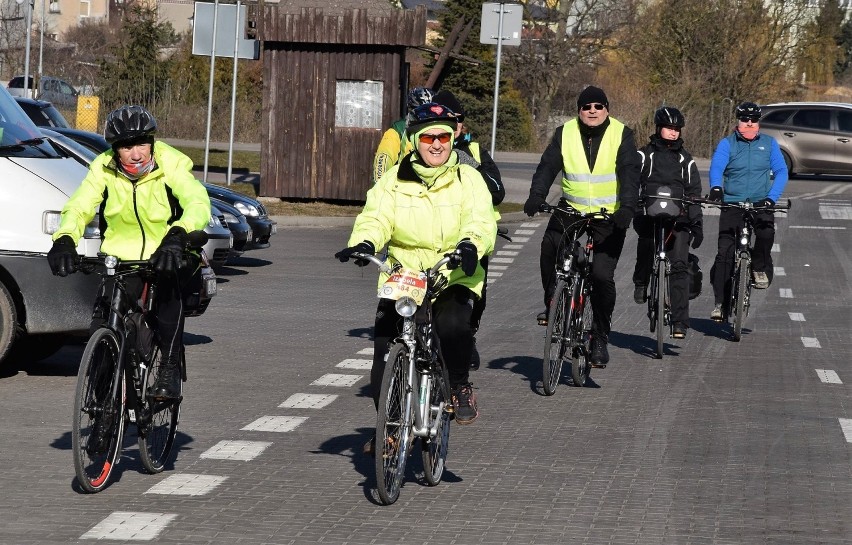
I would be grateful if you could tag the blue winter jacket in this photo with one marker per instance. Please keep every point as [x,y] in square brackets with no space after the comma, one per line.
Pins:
[742,168]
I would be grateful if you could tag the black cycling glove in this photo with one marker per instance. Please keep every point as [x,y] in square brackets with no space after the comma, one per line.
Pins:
[62,257]
[169,256]
[765,203]
[365,247]
[622,217]
[716,194]
[533,205]
[696,229]
[469,259]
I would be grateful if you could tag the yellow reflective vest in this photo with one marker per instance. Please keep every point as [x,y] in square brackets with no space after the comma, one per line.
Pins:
[586,190]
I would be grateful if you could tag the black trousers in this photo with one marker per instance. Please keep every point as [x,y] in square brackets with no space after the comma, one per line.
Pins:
[677,250]
[479,304]
[730,225]
[451,313]
[609,241]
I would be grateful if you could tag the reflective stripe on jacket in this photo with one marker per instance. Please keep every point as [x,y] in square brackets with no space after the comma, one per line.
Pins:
[585,190]
[138,215]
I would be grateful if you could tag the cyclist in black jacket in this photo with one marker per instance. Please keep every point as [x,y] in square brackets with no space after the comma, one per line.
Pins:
[665,162]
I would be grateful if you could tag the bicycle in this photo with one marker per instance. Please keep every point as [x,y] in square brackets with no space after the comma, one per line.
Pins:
[740,283]
[119,364]
[415,401]
[570,317]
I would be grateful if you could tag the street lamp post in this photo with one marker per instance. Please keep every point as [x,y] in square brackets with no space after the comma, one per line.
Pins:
[41,43]
[27,54]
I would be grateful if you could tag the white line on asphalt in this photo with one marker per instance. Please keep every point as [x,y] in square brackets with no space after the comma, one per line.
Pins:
[520,239]
[309,401]
[506,252]
[837,201]
[186,484]
[494,274]
[820,227]
[350,363]
[776,248]
[332,379]
[811,342]
[501,260]
[278,424]
[846,426]
[523,232]
[242,451]
[126,525]
[835,211]
[785,293]
[796,316]
[512,246]
[497,267]
[530,224]
[828,376]
[779,271]
[365,351]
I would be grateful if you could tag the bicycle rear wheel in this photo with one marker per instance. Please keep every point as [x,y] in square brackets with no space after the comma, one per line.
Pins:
[662,288]
[157,424]
[743,284]
[555,340]
[98,424]
[393,425]
[435,448]
[581,323]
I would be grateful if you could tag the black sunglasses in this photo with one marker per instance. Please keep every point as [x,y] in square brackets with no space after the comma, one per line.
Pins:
[753,119]
[595,105]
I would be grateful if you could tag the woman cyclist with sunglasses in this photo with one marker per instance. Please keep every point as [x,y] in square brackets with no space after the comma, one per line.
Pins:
[423,208]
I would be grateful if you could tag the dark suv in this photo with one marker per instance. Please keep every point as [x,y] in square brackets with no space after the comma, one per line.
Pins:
[815,137]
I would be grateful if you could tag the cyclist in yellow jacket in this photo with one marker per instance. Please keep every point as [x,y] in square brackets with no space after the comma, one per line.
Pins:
[423,208]
[597,155]
[149,200]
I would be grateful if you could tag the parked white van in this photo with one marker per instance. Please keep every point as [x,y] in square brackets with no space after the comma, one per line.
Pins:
[38,311]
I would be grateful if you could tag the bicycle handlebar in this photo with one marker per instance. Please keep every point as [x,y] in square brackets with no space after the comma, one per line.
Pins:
[385,268]
[744,205]
[601,214]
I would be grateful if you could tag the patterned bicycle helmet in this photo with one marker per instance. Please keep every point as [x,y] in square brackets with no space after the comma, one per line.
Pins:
[669,117]
[749,110]
[419,96]
[129,123]
[429,114]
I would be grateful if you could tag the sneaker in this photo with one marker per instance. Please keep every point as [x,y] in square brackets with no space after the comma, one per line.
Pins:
[464,402]
[474,356]
[542,317]
[640,294]
[716,313]
[761,281]
[679,330]
[600,356]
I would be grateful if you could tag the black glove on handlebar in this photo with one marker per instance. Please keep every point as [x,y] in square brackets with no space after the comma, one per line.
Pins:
[765,203]
[168,257]
[469,259]
[62,257]
[622,217]
[365,247]
[533,205]
[696,229]
[716,194]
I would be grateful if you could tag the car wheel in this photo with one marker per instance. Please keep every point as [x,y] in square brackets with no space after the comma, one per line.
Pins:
[8,321]
[788,161]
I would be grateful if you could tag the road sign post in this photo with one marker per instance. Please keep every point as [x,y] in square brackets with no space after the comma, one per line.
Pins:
[501,25]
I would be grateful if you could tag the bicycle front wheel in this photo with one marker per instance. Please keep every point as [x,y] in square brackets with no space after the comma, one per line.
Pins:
[98,424]
[435,448]
[662,289]
[393,425]
[555,340]
[581,324]
[743,283]
[157,423]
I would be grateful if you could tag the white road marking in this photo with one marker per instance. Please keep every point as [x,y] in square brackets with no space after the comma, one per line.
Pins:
[351,363]
[811,342]
[796,316]
[711,211]
[785,293]
[530,224]
[520,239]
[512,246]
[523,232]
[242,451]
[820,227]
[501,260]
[497,267]
[187,484]
[776,248]
[309,401]
[278,424]
[828,376]
[506,252]
[130,526]
[779,271]
[494,274]
[835,211]
[365,351]
[846,426]
[332,379]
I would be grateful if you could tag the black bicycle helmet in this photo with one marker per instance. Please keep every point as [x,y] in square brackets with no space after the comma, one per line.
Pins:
[669,117]
[419,96]
[749,110]
[129,123]
[429,114]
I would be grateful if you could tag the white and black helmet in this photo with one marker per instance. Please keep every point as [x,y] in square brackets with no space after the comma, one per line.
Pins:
[129,123]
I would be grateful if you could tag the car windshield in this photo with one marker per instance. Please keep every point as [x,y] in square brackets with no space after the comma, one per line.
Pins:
[19,137]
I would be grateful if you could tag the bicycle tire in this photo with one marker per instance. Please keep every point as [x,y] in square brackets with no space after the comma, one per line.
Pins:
[393,425]
[157,422]
[741,301]
[555,339]
[581,324]
[435,448]
[661,307]
[97,429]
[653,289]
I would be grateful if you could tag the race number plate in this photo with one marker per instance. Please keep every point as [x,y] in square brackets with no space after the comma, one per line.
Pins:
[404,283]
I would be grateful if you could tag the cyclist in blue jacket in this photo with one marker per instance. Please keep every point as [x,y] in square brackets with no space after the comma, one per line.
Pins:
[746,166]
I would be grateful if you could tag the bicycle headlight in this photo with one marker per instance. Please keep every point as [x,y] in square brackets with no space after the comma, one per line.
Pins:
[744,241]
[405,306]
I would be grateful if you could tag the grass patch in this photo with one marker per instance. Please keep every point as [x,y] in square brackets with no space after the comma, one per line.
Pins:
[242,160]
